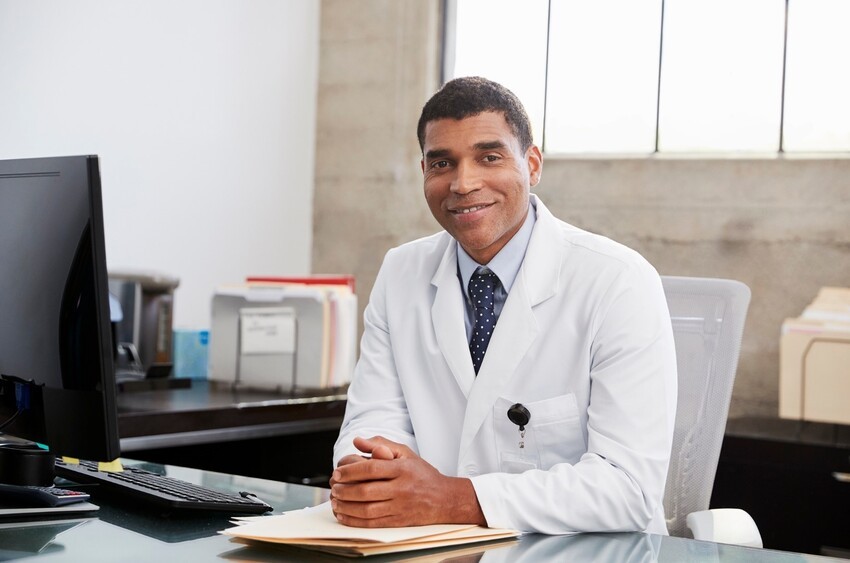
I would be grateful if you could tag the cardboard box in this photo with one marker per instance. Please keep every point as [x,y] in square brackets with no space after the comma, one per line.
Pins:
[814,370]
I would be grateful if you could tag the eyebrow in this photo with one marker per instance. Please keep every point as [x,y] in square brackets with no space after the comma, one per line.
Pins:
[489,145]
[437,153]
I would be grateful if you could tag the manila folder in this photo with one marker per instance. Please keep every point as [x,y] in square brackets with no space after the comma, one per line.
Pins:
[317,528]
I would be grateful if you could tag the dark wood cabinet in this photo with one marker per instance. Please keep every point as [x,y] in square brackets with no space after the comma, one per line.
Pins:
[793,478]
[282,437]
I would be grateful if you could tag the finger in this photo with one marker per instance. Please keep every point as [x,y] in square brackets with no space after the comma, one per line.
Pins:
[348,460]
[382,452]
[361,511]
[392,521]
[369,491]
[371,470]
[365,445]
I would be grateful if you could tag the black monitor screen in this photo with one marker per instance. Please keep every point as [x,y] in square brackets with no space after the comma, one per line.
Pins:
[55,342]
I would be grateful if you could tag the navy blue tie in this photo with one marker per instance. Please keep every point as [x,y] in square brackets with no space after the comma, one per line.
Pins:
[482,293]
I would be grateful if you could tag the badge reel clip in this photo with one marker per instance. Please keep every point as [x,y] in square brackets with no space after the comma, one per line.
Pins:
[520,416]
[523,459]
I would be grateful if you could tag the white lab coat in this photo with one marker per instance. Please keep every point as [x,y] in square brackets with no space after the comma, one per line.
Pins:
[584,342]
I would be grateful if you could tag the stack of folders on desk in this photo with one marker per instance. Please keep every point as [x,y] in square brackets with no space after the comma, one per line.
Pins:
[316,529]
[284,333]
[814,362]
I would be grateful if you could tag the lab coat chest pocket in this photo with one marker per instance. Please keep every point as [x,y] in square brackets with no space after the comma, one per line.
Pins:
[552,436]
[557,428]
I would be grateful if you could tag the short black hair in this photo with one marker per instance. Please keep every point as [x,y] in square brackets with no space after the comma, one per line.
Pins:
[470,96]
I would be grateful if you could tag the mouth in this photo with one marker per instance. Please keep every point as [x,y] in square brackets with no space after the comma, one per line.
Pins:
[468,210]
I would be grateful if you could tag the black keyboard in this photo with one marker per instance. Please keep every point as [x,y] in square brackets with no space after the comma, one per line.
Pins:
[160,490]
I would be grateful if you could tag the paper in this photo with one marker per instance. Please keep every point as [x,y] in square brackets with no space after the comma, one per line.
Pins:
[267,330]
[319,522]
[317,528]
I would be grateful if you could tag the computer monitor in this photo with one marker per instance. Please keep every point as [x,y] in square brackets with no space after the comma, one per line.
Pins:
[56,353]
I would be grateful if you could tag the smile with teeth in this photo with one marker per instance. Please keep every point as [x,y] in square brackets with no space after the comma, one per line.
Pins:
[470,209]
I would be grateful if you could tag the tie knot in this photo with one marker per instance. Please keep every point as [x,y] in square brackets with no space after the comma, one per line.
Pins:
[482,288]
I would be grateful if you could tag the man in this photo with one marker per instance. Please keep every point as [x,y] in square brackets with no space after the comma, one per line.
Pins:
[571,335]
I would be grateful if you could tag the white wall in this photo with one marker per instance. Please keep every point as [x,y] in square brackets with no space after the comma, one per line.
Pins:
[202,113]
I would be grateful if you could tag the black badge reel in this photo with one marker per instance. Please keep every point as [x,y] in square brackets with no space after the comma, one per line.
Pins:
[520,416]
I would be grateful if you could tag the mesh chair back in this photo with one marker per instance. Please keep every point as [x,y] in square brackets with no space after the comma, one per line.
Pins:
[708,322]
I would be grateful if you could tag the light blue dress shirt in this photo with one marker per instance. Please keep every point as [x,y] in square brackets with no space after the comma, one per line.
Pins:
[505,265]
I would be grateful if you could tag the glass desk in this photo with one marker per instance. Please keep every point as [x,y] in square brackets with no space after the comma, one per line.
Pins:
[124,532]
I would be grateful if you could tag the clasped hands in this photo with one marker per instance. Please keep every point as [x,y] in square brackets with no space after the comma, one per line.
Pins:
[391,486]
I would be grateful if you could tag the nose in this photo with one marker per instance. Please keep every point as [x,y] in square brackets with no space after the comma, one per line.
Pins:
[467,179]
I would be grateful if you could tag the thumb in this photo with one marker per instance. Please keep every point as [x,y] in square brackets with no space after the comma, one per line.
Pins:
[381,448]
[382,452]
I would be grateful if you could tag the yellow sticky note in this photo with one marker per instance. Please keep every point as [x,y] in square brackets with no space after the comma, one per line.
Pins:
[113,466]
[71,460]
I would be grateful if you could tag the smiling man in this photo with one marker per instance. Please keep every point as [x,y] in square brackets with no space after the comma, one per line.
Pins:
[515,371]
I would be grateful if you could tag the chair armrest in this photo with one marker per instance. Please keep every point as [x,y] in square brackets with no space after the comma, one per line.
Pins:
[725,525]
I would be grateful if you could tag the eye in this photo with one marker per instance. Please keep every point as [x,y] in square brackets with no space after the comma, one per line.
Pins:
[491,158]
[439,164]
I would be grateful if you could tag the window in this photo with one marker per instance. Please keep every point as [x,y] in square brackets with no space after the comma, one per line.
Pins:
[817,83]
[721,75]
[603,76]
[506,45]
[643,76]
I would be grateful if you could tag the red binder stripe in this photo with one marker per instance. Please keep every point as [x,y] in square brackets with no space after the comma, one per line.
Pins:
[317,279]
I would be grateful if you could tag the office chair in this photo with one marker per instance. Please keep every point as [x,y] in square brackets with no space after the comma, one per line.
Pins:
[708,322]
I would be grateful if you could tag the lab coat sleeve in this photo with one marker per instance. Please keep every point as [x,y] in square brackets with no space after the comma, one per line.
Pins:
[618,484]
[376,405]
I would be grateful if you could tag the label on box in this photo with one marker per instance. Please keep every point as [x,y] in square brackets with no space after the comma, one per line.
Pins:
[268,330]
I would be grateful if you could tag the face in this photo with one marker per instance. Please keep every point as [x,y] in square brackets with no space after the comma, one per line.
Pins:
[477,180]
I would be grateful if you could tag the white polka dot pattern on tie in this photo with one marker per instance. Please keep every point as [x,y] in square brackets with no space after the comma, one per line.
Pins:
[482,292]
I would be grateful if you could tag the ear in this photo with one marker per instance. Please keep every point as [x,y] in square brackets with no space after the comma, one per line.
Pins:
[534,160]
[422,165]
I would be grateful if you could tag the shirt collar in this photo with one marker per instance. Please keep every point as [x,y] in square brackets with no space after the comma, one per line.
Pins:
[507,262]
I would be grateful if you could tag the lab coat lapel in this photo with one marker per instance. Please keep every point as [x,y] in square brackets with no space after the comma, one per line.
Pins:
[449,326]
[517,326]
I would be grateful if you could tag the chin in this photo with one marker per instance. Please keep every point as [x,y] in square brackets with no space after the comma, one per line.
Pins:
[474,245]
